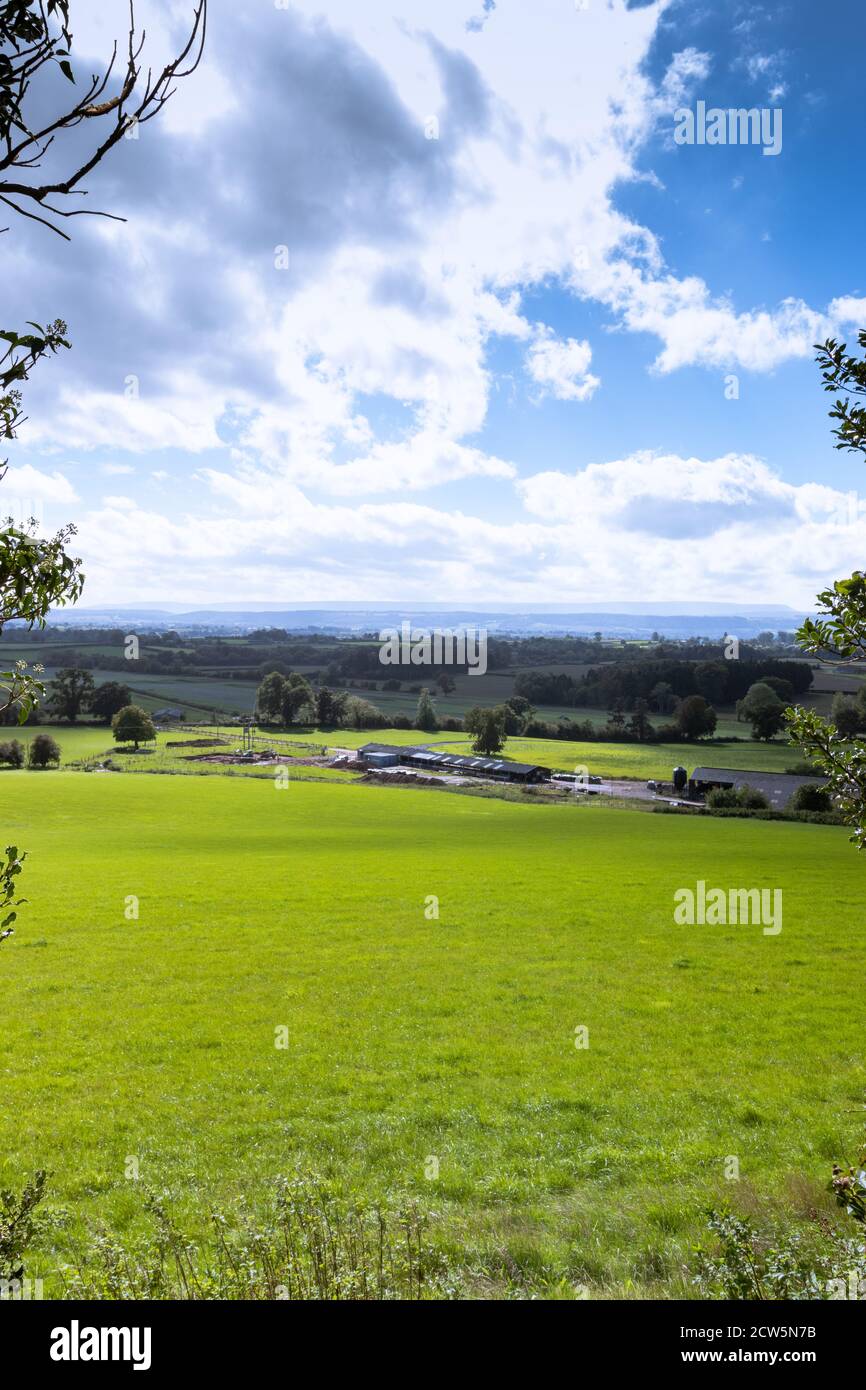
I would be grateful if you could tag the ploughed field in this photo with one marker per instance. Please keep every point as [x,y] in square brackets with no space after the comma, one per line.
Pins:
[411,1038]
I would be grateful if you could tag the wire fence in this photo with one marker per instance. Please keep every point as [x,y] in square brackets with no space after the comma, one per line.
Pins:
[247,736]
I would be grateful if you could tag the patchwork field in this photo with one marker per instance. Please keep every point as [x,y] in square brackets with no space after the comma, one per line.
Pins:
[411,1038]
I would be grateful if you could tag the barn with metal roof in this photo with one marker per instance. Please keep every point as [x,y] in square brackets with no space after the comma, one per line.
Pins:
[778,787]
[433,760]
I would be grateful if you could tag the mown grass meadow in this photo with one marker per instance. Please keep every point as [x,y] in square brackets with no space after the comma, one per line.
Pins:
[411,1038]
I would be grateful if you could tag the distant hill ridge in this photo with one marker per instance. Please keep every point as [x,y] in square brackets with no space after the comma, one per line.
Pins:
[628,620]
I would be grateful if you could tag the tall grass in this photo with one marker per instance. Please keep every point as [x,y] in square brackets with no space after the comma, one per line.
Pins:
[311,1245]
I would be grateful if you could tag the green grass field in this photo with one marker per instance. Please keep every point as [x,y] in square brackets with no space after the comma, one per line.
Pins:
[641,759]
[411,1039]
[94,743]
[75,741]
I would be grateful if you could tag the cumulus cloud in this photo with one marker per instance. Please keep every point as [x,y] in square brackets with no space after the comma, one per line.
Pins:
[663,494]
[562,367]
[26,484]
[347,209]
[699,329]
[717,529]
[398,249]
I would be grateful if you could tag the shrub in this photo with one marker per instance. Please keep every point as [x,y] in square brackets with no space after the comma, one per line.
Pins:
[668,733]
[752,800]
[12,753]
[721,798]
[746,798]
[361,714]
[800,1263]
[848,1186]
[537,728]
[18,1225]
[43,751]
[811,797]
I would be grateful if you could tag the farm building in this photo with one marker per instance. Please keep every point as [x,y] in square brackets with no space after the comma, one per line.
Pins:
[170,712]
[385,757]
[433,760]
[778,787]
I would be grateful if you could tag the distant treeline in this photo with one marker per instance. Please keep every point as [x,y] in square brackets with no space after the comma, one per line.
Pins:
[620,684]
[619,671]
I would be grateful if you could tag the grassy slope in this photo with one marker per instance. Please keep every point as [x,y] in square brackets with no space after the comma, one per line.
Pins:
[411,1038]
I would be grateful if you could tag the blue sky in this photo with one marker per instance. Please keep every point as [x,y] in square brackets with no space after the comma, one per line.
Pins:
[425,301]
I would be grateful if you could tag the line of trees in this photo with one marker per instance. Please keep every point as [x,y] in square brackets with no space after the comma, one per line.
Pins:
[283,701]
[286,700]
[661,682]
[74,692]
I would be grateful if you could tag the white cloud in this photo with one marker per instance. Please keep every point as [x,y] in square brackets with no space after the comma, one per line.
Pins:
[99,419]
[517,189]
[28,484]
[686,69]
[717,529]
[652,492]
[364,370]
[562,367]
[697,329]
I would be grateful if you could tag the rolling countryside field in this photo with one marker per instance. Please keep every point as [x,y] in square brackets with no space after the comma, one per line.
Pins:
[630,760]
[418,1045]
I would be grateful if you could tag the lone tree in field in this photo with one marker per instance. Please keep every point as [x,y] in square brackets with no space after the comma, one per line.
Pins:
[269,698]
[839,633]
[640,724]
[132,725]
[44,751]
[762,708]
[71,690]
[487,727]
[695,718]
[846,714]
[425,715]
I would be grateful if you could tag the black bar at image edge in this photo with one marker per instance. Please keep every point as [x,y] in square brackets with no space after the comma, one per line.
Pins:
[84,1339]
